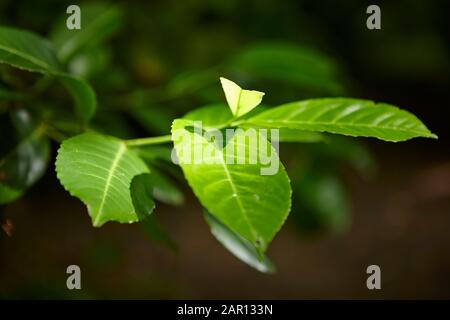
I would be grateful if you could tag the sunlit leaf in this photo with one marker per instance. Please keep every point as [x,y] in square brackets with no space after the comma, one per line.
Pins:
[218,115]
[211,116]
[239,100]
[249,203]
[104,168]
[352,117]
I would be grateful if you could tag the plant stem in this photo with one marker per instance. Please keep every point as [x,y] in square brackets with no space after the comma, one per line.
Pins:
[149,140]
[232,123]
[168,138]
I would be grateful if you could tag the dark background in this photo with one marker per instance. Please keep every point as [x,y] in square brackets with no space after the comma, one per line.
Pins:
[400,217]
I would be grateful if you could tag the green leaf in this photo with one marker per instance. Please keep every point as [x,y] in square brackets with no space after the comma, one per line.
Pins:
[212,116]
[98,170]
[239,100]
[8,194]
[83,95]
[251,204]
[98,23]
[294,135]
[162,188]
[352,117]
[238,246]
[218,115]
[27,161]
[290,64]
[165,190]
[141,190]
[27,51]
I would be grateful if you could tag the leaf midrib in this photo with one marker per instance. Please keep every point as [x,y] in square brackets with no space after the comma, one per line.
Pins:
[114,165]
[238,102]
[238,200]
[25,56]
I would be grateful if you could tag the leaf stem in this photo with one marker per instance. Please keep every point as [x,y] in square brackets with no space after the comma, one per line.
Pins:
[231,123]
[149,140]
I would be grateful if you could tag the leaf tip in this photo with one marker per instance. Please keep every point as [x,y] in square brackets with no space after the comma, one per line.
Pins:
[433,136]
